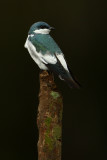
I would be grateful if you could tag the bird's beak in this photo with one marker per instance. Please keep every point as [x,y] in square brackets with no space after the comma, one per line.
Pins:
[51,28]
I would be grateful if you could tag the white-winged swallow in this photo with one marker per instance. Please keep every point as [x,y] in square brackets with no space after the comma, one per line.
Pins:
[47,54]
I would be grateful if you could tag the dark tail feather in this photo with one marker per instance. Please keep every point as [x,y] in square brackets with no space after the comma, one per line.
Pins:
[72,83]
[65,75]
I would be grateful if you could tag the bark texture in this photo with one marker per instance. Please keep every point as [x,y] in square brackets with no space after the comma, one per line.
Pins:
[49,119]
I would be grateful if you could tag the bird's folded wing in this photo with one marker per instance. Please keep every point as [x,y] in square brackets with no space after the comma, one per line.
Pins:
[48,53]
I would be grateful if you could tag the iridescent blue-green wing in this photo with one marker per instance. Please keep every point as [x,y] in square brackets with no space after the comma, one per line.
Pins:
[44,44]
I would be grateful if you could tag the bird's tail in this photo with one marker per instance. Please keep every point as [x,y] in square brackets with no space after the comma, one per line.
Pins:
[72,83]
[63,74]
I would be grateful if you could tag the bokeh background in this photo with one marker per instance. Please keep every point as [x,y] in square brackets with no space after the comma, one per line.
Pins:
[81,34]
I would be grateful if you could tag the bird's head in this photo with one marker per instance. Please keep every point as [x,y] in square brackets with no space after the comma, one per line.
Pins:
[40,28]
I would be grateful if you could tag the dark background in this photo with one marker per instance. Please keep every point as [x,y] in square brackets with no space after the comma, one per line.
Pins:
[81,34]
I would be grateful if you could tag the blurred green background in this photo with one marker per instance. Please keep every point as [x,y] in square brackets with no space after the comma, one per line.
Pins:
[81,34]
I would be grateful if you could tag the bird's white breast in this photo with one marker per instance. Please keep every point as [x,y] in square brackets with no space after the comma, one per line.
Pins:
[34,54]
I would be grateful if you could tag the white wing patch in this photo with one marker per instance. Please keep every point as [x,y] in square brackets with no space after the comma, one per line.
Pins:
[48,58]
[62,61]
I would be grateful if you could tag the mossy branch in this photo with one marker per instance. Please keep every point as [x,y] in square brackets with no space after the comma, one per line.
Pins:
[49,119]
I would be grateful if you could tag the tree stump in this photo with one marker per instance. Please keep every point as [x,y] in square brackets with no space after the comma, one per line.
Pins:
[49,119]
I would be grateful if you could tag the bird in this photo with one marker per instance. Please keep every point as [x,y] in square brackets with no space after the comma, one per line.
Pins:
[47,54]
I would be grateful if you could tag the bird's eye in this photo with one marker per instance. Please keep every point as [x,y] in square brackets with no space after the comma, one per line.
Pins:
[42,27]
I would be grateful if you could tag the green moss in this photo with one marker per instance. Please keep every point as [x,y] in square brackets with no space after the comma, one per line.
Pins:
[48,121]
[49,141]
[57,132]
[48,138]
[55,95]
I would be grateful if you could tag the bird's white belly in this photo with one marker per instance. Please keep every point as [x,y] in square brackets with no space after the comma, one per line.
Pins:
[33,53]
